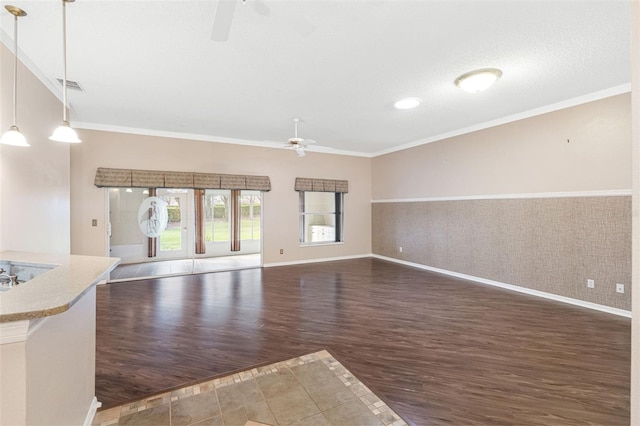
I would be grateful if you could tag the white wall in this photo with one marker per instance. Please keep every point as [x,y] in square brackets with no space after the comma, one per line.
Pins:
[49,379]
[34,181]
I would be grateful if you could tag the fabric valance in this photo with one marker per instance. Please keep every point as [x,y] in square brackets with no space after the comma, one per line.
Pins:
[123,178]
[321,185]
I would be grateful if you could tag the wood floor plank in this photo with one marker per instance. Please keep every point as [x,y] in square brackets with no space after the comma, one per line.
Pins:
[439,350]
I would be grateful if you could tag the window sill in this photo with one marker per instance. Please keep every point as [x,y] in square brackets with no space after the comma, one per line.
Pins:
[321,243]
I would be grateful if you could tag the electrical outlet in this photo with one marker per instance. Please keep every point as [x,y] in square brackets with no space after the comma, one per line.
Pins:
[619,288]
[400,248]
[281,251]
[591,284]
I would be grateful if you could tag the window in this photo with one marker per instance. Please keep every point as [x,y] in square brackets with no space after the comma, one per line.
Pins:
[320,217]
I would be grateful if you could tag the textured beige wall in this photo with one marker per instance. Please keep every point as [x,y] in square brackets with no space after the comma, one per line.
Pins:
[526,156]
[546,244]
[34,181]
[122,150]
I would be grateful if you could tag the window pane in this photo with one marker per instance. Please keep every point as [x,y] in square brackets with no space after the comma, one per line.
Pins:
[320,217]
[250,215]
[319,202]
[217,216]
[171,237]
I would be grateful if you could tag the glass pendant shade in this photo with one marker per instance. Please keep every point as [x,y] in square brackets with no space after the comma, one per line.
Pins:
[13,137]
[64,133]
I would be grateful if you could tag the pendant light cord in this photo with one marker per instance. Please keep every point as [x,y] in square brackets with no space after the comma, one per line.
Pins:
[15,71]
[64,61]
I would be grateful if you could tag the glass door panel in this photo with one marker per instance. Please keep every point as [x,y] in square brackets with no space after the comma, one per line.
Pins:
[173,243]
[151,247]
[217,206]
[250,221]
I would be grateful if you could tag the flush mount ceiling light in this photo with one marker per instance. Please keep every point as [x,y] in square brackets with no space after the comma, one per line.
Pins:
[478,80]
[13,135]
[407,103]
[64,132]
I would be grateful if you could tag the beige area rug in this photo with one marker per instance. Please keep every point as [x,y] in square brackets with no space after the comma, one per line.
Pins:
[313,389]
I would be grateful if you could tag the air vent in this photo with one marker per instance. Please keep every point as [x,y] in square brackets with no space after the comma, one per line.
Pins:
[72,84]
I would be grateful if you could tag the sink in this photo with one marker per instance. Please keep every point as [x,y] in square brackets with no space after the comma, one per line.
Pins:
[25,271]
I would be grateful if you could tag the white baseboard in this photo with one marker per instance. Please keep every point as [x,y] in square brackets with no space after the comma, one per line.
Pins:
[326,259]
[551,296]
[93,409]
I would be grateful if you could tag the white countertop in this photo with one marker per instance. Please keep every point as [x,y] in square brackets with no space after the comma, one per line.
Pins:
[54,291]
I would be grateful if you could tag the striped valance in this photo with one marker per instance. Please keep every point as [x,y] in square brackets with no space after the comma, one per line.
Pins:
[123,178]
[321,185]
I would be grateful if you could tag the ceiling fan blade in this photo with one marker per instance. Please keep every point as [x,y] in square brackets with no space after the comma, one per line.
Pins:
[222,20]
[321,148]
[261,8]
[308,141]
[303,26]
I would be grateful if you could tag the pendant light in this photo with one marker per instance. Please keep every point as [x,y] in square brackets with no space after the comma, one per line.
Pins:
[13,135]
[64,132]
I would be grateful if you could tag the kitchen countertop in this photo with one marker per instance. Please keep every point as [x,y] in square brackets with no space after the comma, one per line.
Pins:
[54,291]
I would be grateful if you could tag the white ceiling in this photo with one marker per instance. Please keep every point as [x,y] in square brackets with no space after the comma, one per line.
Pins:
[152,66]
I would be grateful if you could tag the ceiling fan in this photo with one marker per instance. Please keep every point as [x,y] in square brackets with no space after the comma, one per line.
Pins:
[298,144]
[224,16]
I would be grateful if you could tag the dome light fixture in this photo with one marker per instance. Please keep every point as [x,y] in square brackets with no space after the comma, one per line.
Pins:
[478,80]
[13,135]
[407,103]
[64,132]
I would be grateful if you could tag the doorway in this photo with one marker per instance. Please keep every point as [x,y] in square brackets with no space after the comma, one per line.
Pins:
[204,231]
[176,241]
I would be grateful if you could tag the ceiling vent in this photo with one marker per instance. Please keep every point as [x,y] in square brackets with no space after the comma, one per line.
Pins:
[71,84]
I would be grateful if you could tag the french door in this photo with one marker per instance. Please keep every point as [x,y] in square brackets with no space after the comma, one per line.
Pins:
[177,239]
[154,224]
[232,222]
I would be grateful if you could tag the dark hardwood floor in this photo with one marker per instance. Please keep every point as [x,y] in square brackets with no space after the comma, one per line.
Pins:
[439,350]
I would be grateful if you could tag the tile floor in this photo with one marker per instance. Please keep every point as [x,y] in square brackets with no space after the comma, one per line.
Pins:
[184,266]
[313,389]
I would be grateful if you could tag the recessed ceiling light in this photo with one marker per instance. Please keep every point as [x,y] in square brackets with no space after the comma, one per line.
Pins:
[407,103]
[478,80]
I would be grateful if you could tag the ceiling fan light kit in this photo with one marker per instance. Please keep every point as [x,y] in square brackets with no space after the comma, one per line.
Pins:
[478,80]
[13,135]
[296,143]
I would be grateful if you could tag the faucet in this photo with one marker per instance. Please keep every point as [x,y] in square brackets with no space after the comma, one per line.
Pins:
[13,279]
